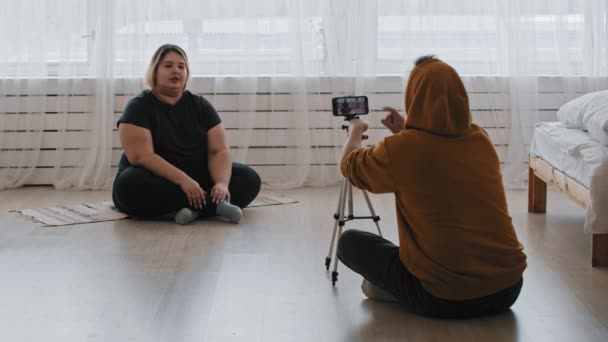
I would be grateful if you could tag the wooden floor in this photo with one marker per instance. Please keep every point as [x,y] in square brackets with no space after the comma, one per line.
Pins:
[264,280]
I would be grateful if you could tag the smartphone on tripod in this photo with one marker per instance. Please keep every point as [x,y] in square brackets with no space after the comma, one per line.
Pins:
[350,106]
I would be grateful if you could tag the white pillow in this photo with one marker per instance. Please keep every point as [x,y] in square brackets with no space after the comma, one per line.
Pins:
[597,125]
[588,112]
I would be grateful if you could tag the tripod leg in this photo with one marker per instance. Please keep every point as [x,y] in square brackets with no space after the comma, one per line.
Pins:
[350,200]
[339,218]
[334,274]
[371,210]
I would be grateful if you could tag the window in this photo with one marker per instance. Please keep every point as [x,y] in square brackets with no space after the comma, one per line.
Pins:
[479,37]
[225,45]
[249,37]
[41,38]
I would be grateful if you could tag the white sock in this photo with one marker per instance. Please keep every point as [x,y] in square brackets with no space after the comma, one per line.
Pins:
[229,211]
[373,292]
[185,216]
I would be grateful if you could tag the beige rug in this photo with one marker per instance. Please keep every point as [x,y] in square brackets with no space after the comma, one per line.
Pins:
[269,198]
[105,211]
[73,214]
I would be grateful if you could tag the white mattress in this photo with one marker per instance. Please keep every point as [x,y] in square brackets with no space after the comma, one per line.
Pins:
[576,154]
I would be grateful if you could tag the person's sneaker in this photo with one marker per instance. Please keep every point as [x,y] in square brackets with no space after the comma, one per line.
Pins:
[185,216]
[229,211]
[373,292]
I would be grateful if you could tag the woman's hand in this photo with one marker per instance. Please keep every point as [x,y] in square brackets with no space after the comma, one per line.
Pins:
[220,193]
[196,194]
[393,120]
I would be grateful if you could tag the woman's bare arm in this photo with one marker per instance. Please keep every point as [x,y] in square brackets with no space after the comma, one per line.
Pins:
[220,162]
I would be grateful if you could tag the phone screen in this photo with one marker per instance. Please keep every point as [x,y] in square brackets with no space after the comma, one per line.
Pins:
[349,105]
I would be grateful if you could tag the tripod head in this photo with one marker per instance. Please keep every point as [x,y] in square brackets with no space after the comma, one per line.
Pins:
[347,118]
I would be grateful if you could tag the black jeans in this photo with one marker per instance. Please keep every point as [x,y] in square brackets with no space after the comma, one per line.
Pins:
[377,260]
[139,192]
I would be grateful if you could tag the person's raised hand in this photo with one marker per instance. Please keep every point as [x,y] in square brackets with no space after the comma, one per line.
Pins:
[194,192]
[393,120]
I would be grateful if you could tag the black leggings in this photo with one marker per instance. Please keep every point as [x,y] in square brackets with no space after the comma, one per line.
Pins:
[139,192]
[377,260]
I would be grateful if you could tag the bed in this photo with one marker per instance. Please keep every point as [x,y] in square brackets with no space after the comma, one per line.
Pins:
[573,158]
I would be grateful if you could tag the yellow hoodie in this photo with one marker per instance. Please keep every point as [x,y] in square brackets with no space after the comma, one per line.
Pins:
[455,232]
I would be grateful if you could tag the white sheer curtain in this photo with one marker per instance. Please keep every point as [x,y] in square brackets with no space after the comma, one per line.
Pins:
[492,42]
[57,81]
[270,56]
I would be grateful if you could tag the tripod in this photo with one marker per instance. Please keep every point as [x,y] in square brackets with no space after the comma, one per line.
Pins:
[346,190]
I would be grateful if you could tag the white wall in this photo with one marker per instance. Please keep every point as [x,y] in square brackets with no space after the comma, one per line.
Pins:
[66,115]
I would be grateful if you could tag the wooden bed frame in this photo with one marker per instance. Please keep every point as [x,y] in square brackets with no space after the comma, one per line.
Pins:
[542,173]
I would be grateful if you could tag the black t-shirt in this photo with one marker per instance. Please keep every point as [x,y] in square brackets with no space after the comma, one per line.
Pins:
[179,132]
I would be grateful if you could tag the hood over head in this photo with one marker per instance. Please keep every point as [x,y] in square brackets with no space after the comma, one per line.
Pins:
[436,100]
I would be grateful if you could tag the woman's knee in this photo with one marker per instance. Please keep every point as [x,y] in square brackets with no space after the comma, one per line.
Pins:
[122,183]
[253,178]
[127,184]
[247,175]
[244,185]
[130,177]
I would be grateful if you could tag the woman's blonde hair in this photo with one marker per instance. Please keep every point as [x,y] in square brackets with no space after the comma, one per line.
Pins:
[158,56]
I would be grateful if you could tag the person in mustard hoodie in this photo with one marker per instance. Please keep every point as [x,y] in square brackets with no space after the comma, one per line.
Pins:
[458,254]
